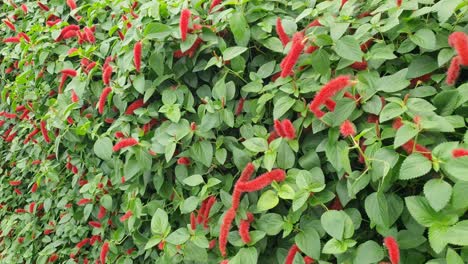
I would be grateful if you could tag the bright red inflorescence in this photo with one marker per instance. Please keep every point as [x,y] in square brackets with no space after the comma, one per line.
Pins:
[284,38]
[183,24]
[453,71]
[74,97]
[95,224]
[359,65]
[399,2]
[290,60]
[126,142]
[308,260]
[103,99]
[285,129]
[106,75]
[224,231]
[193,222]
[183,161]
[262,181]
[104,251]
[326,92]
[45,133]
[291,254]
[393,249]
[459,152]
[102,212]
[134,106]
[126,216]
[137,56]
[244,228]
[347,129]
[213,4]
[459,41]
[71,4]
[240,106]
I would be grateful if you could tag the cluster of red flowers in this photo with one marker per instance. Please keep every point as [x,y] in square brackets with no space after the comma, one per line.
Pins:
[292,253]
[137,55]
[347,129]
[203,213]
[123,143]
[242,185]
[285,129]
[326,92]
[393,249]
[459,41]
[411,145]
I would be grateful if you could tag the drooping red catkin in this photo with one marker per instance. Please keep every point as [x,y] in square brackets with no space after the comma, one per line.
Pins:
[224,230]
[308,260]
[11,40]
[127,142]
[43,7]
[399,2]
[279,128]
[74,97]
[126,216]
[69,72]
[240,106]
[95,224]
[103,99]
[327,91]
[15,183]
[281,33]
[193,222]
[31,207]
[296,49]
[347,129]
[137,56]
[459,152]
[213,4]
[262,181]
[330,104]
[211,201]
[106,75]
[393,249]
[183,24]
[71,4]
[244,227]
[45,133]
[104,251]
[201,212]
[52,258]
[102,212]
[291,254]
[288,129]
[34,188]
[453,71]
[84,201]
[183,161]
[134,106]
[459,41]
[82,243]
[359,65]
[9,24]
[89,34]
[24,8]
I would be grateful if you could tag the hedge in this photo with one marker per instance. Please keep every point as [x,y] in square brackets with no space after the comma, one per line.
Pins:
[236,131]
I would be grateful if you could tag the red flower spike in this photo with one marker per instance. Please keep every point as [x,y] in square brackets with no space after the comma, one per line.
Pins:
[291,254]
[411,146]
[393,249]
[453,71]
[137,56]
[183,161]
[296,49]
[347,129]
[212,244]
[52,258]
[224,230]
[106,75]
[315,23]
[126,216]
[288,129]
[366,45]
[311,49]
[84,201]
[31,207]
[459,152]
[24,8]
[240,106]
[104,251]
[399,2]
[279,128]
[15,183]
[193,223]
[246,173]
[95,224]
[90,66]
[308,260]
[17,191]
[89,34]
[359,65]
[9,24]
[201,212]
[244,228]
[82,243]
[134,106]
[74,97]
[11,40]
[34,188]
[43,7]
[71,4]
[262,181]
[343,2]
[103,99]
[211,201]
[213,4]
[69,72]
[183,24]
[459,41]
[127,142]
[281,33]
[327,91]
[330,105]
[45,133]
[102,212]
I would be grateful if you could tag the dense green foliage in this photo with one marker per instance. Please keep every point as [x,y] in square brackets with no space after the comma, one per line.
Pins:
[341,195]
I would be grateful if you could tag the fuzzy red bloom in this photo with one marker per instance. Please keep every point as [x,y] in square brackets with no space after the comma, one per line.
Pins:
[288,129]
[311,49]
[347,129]
[459,152]
[31,207]
[102,212]
[48,231]
[224,230]
[25,37]
[134,106]
[126,216]
[308,260]
[82,243]
[90,66]
[273,135]
[183,161]
[36,162]
[330,105]
[43,7]
[183,24]
[74,96]
[193,222]
[393,249]
[296,49]
[9,24]
[44,131]
[106,75]
[24,8]
[366,45]
[104,251]
[103,99]
[398,2]
[240,106]
[291,254]
[281,33]
[411,147]
[315,23]
[84,201]
[453,71]
[211,201]
[17,191]
[126,142]
[327,91]
[244,227]
[69,72]
[34,188]
[279,128]
[15,183]
[213,4]
[11,40]
[89,34]
[420,79]
[359,65]
[459,41]
[52,258]
[137,56]
[71,4]
[262,181]
[119,134]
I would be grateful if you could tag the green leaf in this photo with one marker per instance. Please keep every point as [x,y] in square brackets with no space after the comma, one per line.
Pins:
[270,223]
[309,243]
[453,257]
[460,195]
[232,52]
[106,201]
[404,134]
[437,236]
[103,148]
[348,48]
[421,65]
[139,83]
[256,144]
[390,111]
[267,200]
[240,29]
[157,30]
[369,252]
[414,166]
[202,151]
[282,105]
[421,211]
[321,61]
[437,193]
[194,180]
[393,83]
[458,234]
[334,246]
[458,168]
[159,222]
[189,205]
[424,38]
[333,222]
[179,236]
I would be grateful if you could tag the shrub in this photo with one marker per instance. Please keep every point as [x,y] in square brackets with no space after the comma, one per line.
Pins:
[234,131]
